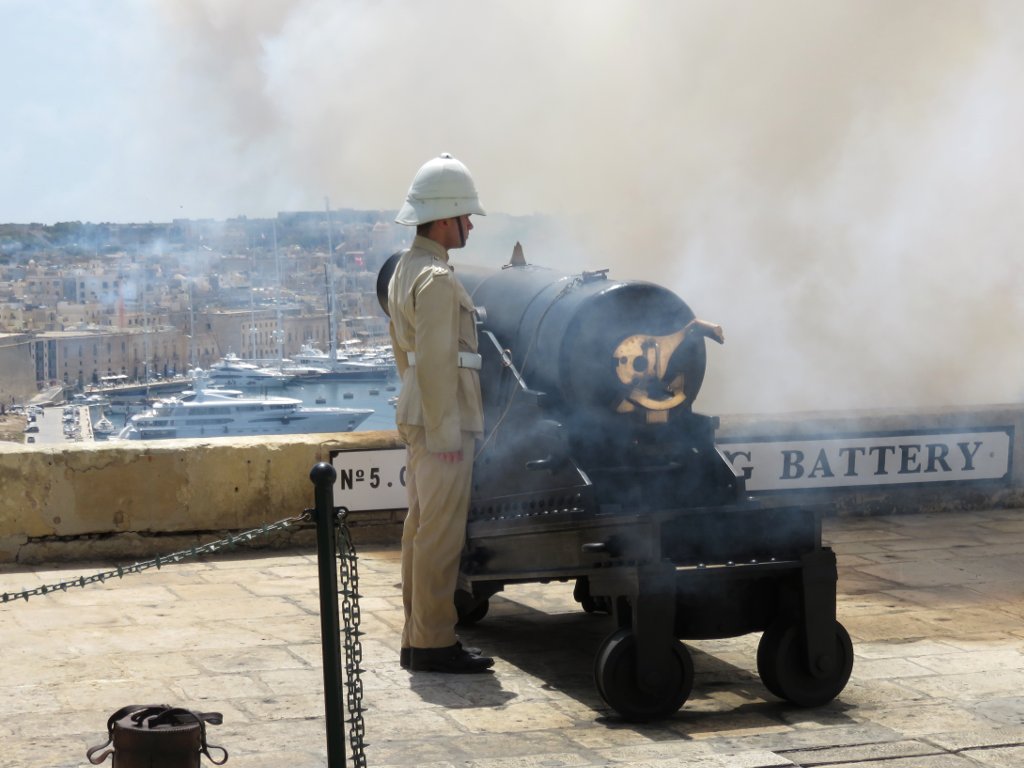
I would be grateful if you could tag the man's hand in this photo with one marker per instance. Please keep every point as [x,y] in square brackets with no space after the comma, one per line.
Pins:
[450,457]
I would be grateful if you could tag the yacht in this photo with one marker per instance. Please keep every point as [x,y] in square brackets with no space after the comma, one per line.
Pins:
[232,371]
[289,367]
[301,372]
[211,412]
[345,366]
[91,399]
[103,428]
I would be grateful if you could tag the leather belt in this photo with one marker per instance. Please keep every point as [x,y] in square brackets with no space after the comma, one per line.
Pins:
[466,359]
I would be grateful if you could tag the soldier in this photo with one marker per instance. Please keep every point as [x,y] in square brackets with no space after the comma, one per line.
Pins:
[439,413]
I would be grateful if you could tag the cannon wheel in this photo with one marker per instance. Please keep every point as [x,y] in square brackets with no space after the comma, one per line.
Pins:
[615,673]
[782,665]
[589,603]
[596,605]
[470,608]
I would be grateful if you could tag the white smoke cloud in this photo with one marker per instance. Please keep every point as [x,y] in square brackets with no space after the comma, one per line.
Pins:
[838,184]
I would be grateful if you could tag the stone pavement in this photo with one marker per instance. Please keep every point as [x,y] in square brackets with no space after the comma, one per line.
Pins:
[934,604]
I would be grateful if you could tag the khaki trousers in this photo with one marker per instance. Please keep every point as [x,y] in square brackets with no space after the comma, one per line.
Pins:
[433,536]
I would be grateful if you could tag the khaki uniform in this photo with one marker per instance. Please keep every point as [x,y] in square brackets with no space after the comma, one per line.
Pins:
[439,410]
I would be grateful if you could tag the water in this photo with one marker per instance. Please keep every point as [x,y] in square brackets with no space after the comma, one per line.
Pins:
[346,394]
[351,394]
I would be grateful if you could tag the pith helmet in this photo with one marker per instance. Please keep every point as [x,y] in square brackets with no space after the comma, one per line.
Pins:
[441,189]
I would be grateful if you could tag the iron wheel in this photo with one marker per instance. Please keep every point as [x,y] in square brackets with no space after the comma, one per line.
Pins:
[615,674]
[469,608]
[767,651]
[782,664]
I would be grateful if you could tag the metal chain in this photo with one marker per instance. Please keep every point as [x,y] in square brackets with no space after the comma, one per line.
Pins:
[350,617]
[161,560]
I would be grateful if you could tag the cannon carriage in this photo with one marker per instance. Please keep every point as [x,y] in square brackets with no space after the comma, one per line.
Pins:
[595,469]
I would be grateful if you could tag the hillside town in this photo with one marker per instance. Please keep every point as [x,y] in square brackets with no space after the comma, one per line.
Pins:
[82,304]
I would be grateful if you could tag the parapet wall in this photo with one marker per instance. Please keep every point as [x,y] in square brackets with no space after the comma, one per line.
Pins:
[106,501]
[136,498]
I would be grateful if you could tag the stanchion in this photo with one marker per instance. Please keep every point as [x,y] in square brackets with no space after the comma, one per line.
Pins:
[323,476]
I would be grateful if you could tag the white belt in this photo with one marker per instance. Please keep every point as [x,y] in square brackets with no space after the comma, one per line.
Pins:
[466,360]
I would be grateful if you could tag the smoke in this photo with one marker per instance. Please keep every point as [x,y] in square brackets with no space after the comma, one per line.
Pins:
[838,184]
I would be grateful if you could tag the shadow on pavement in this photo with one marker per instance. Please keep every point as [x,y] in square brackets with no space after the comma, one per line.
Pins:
[559,649]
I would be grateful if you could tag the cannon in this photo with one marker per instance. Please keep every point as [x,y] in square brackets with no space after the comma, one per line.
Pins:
[594,468]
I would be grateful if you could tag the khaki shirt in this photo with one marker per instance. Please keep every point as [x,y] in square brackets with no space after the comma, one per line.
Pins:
[433,317]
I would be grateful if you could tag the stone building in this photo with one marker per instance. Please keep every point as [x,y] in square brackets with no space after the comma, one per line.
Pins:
[81,357]
[17,382]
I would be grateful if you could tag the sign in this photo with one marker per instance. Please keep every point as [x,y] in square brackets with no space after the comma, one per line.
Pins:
[375,479]
[370,480]
[774,464]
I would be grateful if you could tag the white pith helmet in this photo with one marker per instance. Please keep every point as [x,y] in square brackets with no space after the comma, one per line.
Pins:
[442,188]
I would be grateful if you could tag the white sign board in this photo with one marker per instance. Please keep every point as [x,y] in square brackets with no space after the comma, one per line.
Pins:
[375,480]
[370,480]
[872,460]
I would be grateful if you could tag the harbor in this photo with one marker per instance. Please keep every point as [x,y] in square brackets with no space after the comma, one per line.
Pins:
[77,420]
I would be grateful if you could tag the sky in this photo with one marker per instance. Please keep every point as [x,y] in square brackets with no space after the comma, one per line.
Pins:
[839,183]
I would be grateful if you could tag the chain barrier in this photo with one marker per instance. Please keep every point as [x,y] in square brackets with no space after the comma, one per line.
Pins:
[349,589]
[160,560]
[350,618]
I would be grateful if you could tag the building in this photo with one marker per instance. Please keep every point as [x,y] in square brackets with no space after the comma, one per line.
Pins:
[17,382]
[80,357]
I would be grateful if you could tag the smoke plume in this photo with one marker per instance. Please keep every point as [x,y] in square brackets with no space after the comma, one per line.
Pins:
[838,184]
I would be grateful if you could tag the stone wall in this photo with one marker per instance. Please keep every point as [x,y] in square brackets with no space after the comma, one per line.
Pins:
[133,498]
[114,500]
[17,369]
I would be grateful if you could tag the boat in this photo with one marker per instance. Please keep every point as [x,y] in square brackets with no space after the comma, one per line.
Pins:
[344,366]
[300,372]
[232,371]
[117,396]
[209,412]
[104,427]
[289,367]
[91,399]
[353,362]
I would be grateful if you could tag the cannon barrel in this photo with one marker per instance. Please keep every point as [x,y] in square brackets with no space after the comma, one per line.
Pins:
[599,344]
[606,375]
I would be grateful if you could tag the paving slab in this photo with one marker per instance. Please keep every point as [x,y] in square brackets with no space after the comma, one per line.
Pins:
[934,604]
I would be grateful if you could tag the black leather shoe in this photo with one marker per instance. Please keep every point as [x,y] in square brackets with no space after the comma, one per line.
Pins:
[453,659]
[404,653]
[470,651]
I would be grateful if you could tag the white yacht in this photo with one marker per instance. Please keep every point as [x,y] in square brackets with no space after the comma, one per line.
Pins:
[344,366]
[232,371]
[104,427]
[94,398]
[208,413]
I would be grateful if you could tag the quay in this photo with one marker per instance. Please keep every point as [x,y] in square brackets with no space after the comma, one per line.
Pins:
[933,602]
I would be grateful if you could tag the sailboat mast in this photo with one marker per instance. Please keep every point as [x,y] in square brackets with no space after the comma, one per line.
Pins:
[332,329]
[145,333]
[332,335]
[191,325]
[252,310]
[280,324]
